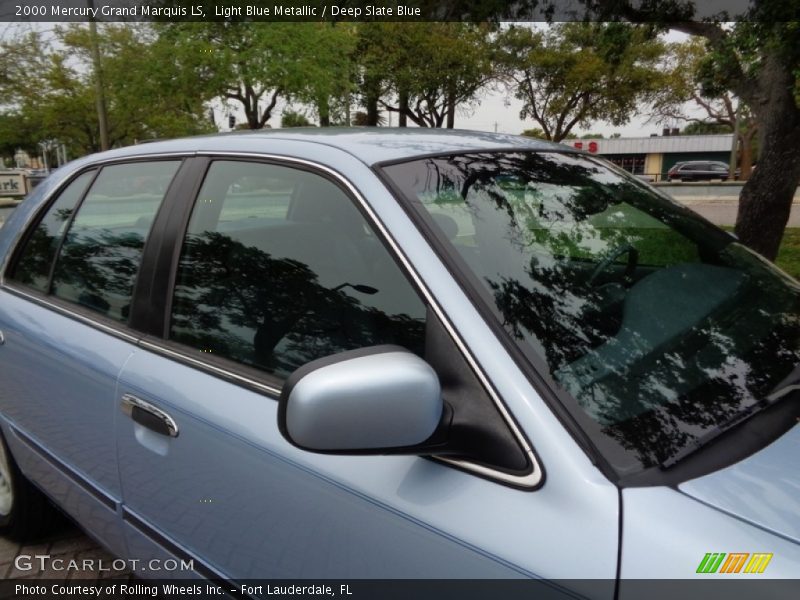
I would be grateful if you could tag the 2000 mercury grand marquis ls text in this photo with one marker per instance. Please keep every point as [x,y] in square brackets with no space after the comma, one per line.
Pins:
[395,354]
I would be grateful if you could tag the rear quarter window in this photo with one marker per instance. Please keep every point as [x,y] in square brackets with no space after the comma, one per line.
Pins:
[99,257]
[35,259]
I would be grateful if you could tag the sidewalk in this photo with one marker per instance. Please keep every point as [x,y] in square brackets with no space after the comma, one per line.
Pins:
[19,560]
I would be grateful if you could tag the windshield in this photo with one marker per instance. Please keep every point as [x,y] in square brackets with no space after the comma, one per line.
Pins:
[656,326]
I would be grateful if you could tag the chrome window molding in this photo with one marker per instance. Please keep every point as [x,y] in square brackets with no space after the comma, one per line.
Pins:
[528,481]
[204,365]
[119,331]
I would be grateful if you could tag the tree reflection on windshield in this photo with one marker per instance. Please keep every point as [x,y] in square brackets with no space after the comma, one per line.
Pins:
[660,326]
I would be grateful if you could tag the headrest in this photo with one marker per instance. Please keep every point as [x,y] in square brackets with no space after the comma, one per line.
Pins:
[447,224]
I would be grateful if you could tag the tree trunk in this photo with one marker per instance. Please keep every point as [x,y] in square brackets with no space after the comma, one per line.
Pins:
[372,96]
[403,106]
[766,199]
[372,111]
[451,109]
[251,114]
[746,160]
[324,110]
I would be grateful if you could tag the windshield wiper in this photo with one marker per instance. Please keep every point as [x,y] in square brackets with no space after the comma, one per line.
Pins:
[785,388]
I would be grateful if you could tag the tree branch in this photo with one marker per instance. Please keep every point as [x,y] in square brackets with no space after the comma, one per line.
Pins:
[268,111]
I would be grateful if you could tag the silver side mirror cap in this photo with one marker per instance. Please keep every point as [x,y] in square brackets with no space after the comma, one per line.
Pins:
[377,400]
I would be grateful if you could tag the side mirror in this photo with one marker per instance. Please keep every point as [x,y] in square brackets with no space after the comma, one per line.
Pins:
[381,399]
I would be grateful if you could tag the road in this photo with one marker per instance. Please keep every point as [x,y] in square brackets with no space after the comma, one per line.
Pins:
[723,212]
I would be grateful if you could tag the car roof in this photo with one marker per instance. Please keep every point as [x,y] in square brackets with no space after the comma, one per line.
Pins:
[371,145]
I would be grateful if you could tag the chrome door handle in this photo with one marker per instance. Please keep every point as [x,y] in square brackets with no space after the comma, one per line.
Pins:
[148,415]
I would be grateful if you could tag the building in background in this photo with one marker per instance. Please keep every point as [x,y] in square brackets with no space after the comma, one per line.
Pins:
[654,156]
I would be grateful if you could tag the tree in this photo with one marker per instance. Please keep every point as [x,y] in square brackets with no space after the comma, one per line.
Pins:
[49,91]
[361,119]
[690,79]
[331,71]
[424,71]
[758,60]
[706,128]
[45,95]
[16,133]
[242,63]
[534,133]
[294,119]
[256,64]
[760,63]
[147,95]
[576,73]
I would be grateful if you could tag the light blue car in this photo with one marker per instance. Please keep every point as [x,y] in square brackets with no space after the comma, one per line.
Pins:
[396,354]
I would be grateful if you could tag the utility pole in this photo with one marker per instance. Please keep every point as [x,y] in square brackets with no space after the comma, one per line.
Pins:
[102,116]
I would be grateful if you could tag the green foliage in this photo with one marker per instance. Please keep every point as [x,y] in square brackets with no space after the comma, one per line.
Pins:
[705,128]
[431,68]
[534,133]
[330,73]
[789,254]
[360,119]
[255,64]
[16,132]
[294,119]
[576,73]
[50,94]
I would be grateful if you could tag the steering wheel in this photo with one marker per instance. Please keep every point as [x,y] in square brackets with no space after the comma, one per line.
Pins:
[613,255]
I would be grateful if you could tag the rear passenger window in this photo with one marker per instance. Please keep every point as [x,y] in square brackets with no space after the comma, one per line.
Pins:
[36,259]
[99,258]
[279,268]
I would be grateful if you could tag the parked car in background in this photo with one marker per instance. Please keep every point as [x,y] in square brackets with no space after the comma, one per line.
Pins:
[395,354]
[699,170]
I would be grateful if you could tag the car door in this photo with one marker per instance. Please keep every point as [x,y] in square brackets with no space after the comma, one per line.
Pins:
[278,266]
[687,172]
[718,171]
[64,315]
